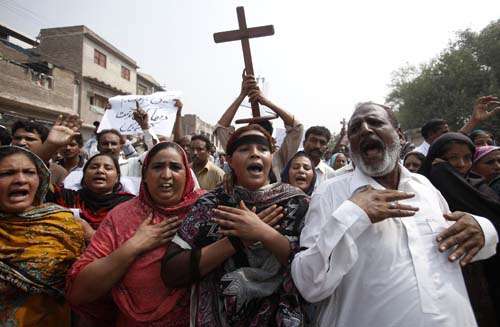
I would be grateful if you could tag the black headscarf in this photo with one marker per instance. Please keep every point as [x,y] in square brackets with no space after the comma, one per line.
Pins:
[93,207]
[286,170]
[469,194]
[439,147]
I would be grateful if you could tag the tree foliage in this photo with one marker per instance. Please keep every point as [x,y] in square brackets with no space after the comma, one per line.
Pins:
[448,85]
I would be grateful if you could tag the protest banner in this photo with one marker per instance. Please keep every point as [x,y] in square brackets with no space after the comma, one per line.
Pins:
[159,106]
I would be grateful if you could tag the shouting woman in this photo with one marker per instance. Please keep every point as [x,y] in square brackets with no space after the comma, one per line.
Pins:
[229,249]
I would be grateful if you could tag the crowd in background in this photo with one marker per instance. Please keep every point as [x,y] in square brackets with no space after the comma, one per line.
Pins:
[164,230]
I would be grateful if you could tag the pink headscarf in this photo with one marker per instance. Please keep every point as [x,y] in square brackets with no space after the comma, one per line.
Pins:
[482,151]
[140,296]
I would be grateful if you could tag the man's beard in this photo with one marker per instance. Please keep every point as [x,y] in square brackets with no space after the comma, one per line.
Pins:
[384,166]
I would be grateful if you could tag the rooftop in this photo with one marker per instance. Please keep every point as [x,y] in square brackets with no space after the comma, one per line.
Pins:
[82,29]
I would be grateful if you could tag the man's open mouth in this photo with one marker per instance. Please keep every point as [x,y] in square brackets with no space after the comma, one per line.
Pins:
[371,146]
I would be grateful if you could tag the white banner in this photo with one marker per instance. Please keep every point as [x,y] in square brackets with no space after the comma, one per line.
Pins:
[159,106]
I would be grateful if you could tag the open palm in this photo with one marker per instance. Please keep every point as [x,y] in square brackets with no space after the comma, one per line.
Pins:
[64,129]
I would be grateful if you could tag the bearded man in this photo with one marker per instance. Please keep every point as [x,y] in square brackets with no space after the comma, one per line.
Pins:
[381,247]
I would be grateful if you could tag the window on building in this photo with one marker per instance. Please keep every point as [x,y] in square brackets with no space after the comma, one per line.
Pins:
[142,90]
[98,101]
[126,73]
[99,58]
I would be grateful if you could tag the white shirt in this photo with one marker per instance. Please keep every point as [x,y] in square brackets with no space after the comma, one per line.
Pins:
[384,274]
[423,148]
[344,170]
[323,173]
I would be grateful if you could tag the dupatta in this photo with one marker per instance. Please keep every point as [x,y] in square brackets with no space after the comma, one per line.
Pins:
[37,247]
[251,288]
[140,296]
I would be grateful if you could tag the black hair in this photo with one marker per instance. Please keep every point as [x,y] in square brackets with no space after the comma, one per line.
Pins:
[201,137]
[32,127]
[5,138]
[78,139]
[432,126]
[479,132]
[115,163]
[267,125]
[420,156]
[111,131]
[318,130]
[286,171]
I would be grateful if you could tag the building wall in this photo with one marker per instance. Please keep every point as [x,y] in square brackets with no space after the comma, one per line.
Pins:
[192,124]
[89,115]
[21,95]
[112,73]
[63,47]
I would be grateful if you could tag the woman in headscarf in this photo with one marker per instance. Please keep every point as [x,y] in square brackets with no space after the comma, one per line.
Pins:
[482,138]
[124,256]
[486,163]
[413,161]
[38,244]
[448,167]
[299,172]
[338,160]
[100,192]
[237,264]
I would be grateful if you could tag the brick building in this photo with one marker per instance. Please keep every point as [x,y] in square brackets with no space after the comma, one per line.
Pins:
[31,86]
[102,71]
[192,124]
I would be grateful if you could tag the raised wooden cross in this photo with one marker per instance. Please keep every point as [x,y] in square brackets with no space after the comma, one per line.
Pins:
[244,34]
[344,124]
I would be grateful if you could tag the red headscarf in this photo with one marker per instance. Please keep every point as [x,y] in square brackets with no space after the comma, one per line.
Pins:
[140,296]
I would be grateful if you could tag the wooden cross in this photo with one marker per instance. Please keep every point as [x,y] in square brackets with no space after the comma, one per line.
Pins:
[344,123]
[244,34]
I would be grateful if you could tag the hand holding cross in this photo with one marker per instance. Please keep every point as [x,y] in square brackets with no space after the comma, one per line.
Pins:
[244,34]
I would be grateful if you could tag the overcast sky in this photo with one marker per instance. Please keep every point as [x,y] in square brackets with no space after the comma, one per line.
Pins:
[325,56]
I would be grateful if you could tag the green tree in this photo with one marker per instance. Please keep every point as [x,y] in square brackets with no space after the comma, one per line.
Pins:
[448,85]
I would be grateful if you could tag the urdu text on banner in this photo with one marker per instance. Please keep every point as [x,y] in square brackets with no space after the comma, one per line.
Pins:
[160,107]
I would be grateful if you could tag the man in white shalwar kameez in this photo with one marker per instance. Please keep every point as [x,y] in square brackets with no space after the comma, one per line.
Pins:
[381,247]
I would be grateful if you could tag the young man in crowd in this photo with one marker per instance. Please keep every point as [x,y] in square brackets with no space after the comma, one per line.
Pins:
[31,135]
[73,157]
[431,130]
[207,173]
[381,246]
[315,145]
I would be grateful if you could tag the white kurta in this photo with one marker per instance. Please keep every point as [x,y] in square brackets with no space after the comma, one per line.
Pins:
[385,274]
[323,173]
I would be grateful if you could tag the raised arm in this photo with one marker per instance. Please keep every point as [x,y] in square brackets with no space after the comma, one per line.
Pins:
[256,95]
[60,135]
[178,134]
[247,85]
[481,113]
